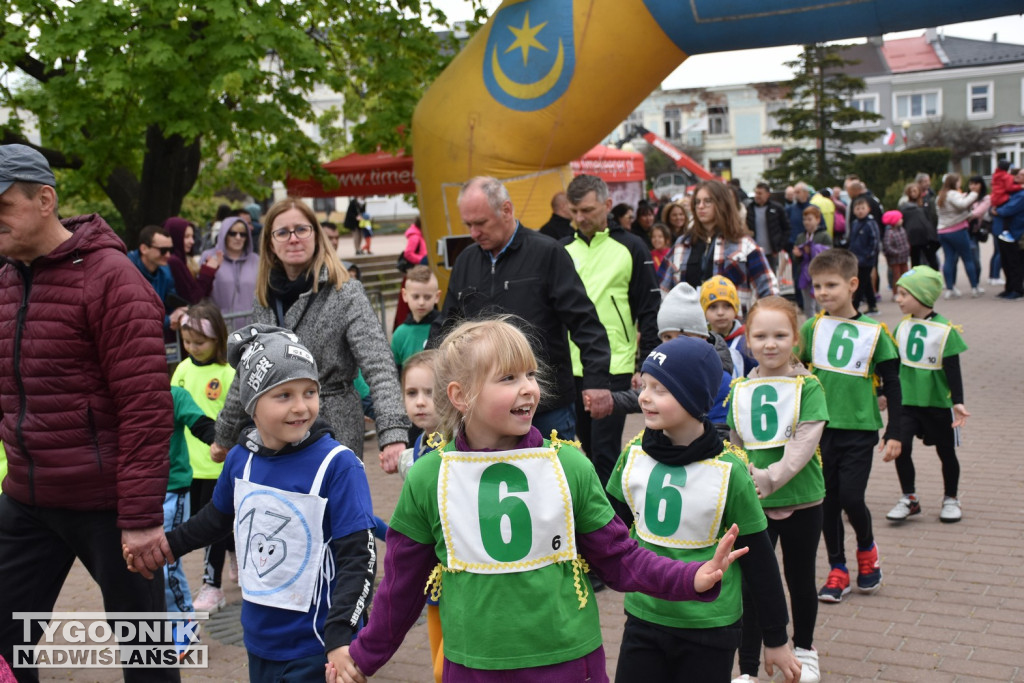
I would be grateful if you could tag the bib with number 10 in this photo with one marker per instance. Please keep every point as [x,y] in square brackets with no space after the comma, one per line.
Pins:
[766,411]
[844,346]
[922,343]
[505,512]
[676,507]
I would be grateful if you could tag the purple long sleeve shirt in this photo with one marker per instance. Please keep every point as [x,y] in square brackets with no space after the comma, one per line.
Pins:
[616,557]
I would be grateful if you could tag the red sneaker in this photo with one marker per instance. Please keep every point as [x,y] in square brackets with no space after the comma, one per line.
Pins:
[836,586]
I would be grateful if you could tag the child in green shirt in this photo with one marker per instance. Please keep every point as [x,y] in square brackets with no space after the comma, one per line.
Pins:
[933,390]
[846,351]
[684,488]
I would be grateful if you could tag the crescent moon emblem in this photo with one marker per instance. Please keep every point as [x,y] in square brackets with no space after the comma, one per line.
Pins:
[529,91]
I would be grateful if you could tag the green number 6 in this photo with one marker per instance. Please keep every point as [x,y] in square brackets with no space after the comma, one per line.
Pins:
[915,342]
[494,509]
[663,489]
[840,351]
[764,419]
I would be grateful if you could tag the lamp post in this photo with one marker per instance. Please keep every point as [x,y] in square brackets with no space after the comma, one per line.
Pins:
[906,128]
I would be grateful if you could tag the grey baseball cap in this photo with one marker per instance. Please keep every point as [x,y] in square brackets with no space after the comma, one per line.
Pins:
[22,163]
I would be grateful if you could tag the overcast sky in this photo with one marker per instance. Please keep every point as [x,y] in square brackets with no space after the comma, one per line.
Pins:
[766,64]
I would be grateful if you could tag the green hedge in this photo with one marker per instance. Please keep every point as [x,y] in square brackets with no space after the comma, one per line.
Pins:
[882,170]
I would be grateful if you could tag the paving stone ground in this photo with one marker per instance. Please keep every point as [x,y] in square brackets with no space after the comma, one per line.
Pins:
[951,608]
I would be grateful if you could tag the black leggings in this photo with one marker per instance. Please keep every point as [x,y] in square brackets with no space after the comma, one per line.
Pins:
[925,254]
[650,653]
[213,559]
[935,427]
[866,288]
[846,456]
[799,534]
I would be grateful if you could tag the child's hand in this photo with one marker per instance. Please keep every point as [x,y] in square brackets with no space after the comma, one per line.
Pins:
[711,572]
[798,252]
[218,453]
[891,449]
[960,415]
[883,404]
[783,657]
[341,667]
[129,559]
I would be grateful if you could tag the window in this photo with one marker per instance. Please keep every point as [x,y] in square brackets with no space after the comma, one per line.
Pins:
[981,164]
[771,109]
[865,103]
[673,122]
[634,119]
[323,204]
[917,105]
[718,120]
[979,100]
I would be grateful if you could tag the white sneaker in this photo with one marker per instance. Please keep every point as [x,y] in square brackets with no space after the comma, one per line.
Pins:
[951,293]
[996,281]
[907,506]
[976,292]
[745,678]
[209,599]
[809,671]
[951,511]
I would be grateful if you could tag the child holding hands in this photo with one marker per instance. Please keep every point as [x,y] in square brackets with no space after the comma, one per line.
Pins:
[299,504]
[499,521]
[778,414]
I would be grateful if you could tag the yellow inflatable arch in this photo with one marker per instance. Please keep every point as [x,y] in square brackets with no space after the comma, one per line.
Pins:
[545,80]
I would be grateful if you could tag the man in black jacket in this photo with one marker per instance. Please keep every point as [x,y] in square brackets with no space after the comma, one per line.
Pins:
[512,269]
[768,223]
[559,226]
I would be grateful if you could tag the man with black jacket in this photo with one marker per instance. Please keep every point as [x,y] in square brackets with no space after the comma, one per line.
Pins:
[768,223]
[512,269]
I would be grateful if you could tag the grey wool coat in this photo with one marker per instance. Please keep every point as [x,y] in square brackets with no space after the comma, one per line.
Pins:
[344,335]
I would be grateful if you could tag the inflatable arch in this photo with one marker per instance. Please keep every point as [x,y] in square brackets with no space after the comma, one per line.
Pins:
[545,80]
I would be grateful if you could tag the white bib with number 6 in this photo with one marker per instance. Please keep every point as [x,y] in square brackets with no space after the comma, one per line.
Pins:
[921,343]
[676,507]
[505,512]
[844,346]
[765,411]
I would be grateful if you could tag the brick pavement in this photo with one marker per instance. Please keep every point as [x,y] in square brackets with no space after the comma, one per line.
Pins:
[952,604]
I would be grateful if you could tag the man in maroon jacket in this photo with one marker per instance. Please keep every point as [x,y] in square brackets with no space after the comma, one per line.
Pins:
[85,410]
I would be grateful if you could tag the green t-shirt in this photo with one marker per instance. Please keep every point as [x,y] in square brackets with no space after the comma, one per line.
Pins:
[698,489]
[186,412]
[509,620]
[408,339]
[362,388]
[843,353]
[807,485]
[208,386]
[923,343]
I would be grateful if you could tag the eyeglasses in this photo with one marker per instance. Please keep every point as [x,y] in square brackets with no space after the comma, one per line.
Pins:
[164,251]
[236,234]
[303,232]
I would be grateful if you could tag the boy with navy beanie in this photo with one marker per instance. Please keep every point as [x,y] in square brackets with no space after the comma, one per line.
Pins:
[679,463]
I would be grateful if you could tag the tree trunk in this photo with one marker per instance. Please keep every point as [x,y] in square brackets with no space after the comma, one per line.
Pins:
[169,170]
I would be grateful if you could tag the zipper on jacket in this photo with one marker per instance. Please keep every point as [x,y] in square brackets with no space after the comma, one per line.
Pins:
[26,274]
[622,320]
[92,435]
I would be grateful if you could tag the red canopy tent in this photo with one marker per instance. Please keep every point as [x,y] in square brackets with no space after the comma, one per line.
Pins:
[361,175]
[611,165]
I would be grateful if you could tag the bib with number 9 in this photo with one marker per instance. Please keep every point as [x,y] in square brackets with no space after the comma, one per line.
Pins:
[766,411]
[505,512]
[676,507]
[921,343]
[844,346]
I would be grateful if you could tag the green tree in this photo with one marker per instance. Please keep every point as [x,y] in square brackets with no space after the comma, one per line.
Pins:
[819,117]
[145,101]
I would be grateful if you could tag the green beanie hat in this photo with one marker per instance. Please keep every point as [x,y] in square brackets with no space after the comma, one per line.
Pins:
[923,283]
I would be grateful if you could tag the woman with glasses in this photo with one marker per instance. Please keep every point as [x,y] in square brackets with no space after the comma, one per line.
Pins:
[302,286]
[234,286]
[718,243]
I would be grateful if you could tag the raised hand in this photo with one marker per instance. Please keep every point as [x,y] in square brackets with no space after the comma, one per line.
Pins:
[711,572]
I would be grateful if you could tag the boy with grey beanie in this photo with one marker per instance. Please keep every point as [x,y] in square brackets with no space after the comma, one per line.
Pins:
[299,504]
